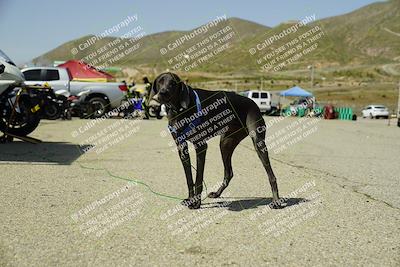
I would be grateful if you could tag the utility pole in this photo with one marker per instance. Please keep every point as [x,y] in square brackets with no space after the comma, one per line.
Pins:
[398,107]
[311,68]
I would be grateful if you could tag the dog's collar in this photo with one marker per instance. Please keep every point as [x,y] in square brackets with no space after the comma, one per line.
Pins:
[197,100]
[196,122]
[171,107]
[198,103]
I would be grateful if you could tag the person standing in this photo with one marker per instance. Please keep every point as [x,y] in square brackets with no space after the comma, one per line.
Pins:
[147,91]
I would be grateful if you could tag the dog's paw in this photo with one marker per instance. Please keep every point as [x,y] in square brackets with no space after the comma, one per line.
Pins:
[276,204]
[213,195]
[192,202]
[195,205]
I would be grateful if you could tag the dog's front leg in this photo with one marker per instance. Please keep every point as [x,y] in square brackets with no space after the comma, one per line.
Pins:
[200,162]
[185,159]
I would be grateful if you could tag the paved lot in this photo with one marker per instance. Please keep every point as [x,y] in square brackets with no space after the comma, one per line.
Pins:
[62,207]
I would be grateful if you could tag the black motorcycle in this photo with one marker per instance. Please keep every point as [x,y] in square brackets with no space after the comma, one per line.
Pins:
[52,106]
[19,114]
[81,108]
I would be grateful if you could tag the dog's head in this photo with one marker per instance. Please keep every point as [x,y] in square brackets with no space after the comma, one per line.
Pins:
[170,90]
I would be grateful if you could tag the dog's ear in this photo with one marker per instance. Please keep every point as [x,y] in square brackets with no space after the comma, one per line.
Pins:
[153,90]
[154,86]
[184,96]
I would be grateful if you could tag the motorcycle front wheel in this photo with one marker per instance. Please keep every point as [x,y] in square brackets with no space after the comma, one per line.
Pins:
[20,128]
[23,122]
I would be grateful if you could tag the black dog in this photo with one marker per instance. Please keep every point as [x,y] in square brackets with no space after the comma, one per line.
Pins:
[196,115]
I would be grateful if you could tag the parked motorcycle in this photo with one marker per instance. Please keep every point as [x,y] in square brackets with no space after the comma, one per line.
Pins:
[53,105]
[76,105]
[131,108]
[64,97]
[18,108]
[132,104]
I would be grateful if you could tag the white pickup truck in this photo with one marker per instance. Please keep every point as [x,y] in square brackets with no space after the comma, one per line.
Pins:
[105,95]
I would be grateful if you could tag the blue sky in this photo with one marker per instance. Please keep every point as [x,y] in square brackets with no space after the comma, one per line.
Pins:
[29,28]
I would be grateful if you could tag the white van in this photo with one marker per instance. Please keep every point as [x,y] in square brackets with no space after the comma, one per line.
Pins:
[261,98]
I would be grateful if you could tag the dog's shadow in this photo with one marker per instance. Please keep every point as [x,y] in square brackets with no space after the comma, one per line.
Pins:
[243,203]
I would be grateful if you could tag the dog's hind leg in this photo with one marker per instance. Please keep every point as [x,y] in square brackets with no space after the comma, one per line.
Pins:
[227,145]
[256,126]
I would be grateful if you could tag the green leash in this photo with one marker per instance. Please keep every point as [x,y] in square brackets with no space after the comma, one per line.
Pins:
[138,182]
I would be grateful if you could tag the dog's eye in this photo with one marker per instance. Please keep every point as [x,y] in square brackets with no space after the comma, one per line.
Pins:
[155,89]
[172,84]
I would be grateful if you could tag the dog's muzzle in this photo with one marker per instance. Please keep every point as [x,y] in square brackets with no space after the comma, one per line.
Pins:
[161,98]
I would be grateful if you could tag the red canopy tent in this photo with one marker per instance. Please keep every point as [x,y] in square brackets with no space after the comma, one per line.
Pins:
[80,71]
